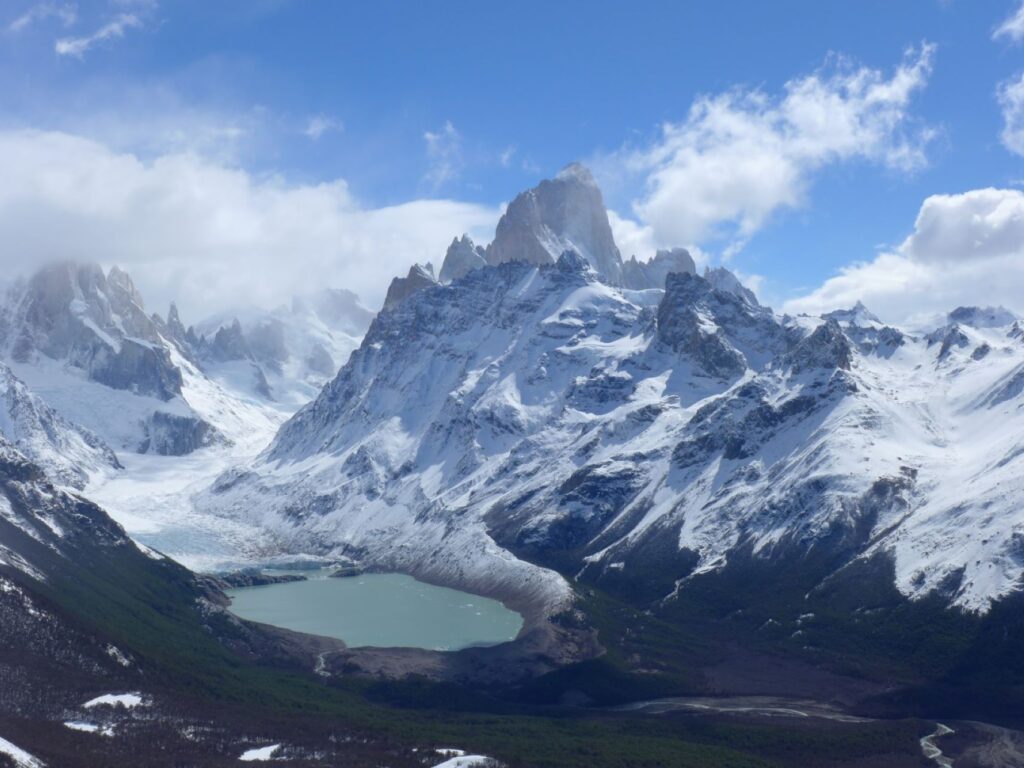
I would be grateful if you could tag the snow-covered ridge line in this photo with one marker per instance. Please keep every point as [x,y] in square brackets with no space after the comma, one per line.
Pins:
[544,412]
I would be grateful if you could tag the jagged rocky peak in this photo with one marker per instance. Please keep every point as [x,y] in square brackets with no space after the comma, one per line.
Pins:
[173,330]
[720,329]
[420,276]
[721,279]
[684,328]
[94,322]
[564,213]
[949,337]
[641,275]
[229,343]
[571,261]
[982,317]
[462,257]
[825,348]
[174,324]
[858,315]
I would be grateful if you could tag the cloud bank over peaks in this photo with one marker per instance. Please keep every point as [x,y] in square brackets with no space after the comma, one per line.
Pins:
[965,249]
[206,234]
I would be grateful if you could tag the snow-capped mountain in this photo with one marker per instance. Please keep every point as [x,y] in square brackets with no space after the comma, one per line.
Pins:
[82,341]
[531,419]
[559,214]
[286,354]
[68,453]
[562,214]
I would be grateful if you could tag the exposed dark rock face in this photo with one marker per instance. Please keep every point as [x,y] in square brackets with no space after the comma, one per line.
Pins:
[982,317]
[172,435]
[948,338]
[827,347]
[720,330]
[229,343]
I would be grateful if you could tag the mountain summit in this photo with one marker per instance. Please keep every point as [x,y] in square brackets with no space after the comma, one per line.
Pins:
[560,214]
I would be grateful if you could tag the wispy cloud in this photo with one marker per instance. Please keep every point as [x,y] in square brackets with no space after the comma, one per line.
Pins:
[66,13]
[1011,100]
[113,29]
[743,155]
[444,153]
[1012,28]
[318,125]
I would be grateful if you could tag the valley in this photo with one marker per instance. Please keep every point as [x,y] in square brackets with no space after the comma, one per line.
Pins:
[561,510]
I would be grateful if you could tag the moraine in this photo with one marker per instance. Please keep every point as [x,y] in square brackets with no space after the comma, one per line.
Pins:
[380,610]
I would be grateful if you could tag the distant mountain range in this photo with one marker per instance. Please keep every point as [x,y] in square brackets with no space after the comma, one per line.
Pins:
[79,341]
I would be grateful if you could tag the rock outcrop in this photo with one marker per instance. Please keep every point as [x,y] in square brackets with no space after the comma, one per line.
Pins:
[560,214]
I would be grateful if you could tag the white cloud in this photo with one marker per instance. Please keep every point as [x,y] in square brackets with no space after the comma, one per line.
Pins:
[113,29]
[1011,100]
[206,234]
[444,154]
[1012,28]
[742,155]
[64,12]
[633,239]
[318,125]
[965,249]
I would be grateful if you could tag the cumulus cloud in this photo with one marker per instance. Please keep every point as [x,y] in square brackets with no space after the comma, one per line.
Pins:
[1012,28]
[208,235]
[63,12]
[444,155]
[742,155]
[965,249]
[77,47]
[318,125]
[1011,100]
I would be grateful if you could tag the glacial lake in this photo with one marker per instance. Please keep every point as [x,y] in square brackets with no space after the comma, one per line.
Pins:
[382,610]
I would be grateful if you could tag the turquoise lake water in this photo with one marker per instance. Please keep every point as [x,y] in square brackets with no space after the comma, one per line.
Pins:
[382,610]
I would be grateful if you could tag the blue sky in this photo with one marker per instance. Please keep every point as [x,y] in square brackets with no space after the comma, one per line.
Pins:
[405,103]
